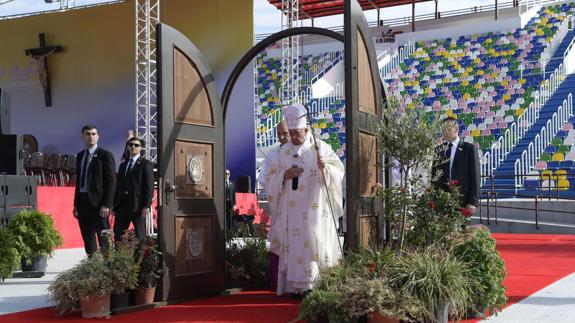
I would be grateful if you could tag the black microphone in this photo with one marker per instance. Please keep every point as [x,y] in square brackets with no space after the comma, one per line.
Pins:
[294,181]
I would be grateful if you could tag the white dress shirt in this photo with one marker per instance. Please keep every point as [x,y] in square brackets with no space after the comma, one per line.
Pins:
[454,143]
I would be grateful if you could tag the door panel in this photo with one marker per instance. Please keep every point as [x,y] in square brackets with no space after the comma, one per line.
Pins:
[190,170]
[365,100]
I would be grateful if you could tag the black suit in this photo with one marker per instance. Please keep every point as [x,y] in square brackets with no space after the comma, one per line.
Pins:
[465,170]
[100,186]
[134,192]
[230,202]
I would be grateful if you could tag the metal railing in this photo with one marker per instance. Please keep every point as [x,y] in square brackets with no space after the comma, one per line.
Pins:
[321,67]
[394,61]
[530,156]
[546,190]
[501,148]
[548,52]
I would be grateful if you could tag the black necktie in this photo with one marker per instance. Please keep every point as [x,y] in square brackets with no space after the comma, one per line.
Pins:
[84,168]
[129,167]
[448,150]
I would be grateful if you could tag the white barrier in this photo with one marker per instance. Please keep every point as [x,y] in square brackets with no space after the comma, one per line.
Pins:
[530,156]
[501,148]
[396,59]
[554,43]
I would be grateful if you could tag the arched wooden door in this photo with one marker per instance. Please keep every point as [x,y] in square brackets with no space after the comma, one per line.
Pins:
[190,170]
[365,100]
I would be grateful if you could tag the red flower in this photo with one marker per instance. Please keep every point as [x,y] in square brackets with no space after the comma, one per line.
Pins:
[466,213]
[454,182]
[372,267]
[431,204]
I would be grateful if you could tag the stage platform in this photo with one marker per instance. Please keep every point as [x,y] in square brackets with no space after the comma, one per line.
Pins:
[539,289]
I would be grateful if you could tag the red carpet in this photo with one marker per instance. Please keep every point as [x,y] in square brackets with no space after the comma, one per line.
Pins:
[532,261]
[260,306]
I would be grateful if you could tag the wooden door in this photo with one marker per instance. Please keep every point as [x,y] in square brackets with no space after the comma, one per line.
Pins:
[190,170]
[365,100]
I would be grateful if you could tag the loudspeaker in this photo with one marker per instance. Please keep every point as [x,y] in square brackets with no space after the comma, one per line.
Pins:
[12,161]
[244,184]
[4,112]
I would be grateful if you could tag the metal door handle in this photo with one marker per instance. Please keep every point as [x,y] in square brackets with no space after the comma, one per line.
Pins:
[169,188]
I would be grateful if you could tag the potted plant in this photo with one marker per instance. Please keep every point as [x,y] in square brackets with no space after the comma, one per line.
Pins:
[407,137]
[124,267]
[375,299]
[9,254]
[321,306]
[476,248]
[86,287]
[152,267]
[247,258]
[38,237]
[436,278]
[434,217]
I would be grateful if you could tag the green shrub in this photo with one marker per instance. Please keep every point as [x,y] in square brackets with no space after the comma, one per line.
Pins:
[477,249]
[36,232]
[9,254]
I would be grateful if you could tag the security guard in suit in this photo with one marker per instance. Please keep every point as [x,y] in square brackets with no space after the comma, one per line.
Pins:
[134,192]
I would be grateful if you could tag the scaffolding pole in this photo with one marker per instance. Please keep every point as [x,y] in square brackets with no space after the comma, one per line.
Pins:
[290,54]
[147,17]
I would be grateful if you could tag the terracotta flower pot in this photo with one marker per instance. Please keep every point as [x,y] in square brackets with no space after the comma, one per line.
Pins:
[379,318]
[95,306]
[144,295]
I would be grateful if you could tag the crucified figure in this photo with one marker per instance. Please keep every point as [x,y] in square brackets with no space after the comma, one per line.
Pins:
[40,56]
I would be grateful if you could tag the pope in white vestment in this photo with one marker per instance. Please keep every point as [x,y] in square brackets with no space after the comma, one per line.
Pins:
[303,232]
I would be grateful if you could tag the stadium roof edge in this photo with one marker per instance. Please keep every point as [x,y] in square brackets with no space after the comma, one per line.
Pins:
[322,8]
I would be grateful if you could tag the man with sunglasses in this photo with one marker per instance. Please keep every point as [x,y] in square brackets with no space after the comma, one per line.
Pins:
[134,192]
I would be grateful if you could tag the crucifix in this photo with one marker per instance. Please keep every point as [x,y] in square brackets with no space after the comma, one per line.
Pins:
[40,55]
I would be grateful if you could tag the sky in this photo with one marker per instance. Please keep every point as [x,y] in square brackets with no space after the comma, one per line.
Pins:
[267,19]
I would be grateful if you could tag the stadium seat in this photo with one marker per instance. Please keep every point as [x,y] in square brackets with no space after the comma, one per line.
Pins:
[547,174]
[558,156]
[541,165]
[562,185]
[561,174]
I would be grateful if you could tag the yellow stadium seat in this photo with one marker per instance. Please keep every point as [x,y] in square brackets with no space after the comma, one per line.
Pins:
[475,133]
[558,156]
[547,175]
[519,112]
[561,174]
[562,185]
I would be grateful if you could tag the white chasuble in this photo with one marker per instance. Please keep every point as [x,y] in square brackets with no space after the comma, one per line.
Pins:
[303,232]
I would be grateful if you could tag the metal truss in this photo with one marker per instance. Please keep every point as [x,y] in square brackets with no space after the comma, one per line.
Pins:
[290,53]
[147,16]
[67,4]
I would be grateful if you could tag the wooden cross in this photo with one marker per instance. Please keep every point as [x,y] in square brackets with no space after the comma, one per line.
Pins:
[41,54]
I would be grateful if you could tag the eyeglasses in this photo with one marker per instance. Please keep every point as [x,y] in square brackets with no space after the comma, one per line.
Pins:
[134,145]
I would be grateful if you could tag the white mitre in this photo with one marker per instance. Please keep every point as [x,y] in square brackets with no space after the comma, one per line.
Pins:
[295,116]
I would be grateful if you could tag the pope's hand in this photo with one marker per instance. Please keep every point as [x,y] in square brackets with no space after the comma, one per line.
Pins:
[293,172]
[320,163]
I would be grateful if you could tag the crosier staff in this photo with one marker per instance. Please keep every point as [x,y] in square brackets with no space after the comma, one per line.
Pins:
[316,146]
